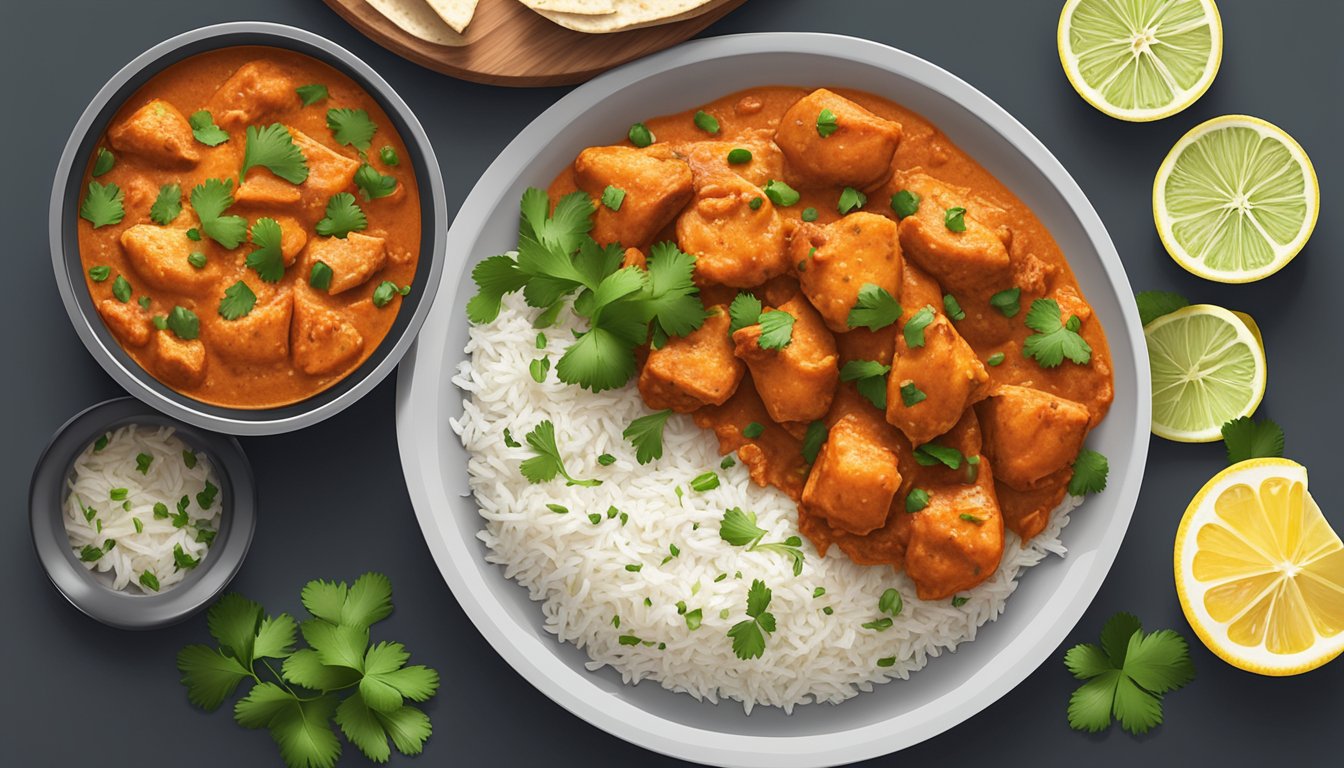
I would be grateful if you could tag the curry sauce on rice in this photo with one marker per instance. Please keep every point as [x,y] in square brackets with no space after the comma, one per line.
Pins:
[886,344]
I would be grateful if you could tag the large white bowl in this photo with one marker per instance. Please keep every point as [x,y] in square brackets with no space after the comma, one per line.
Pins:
[1049,600]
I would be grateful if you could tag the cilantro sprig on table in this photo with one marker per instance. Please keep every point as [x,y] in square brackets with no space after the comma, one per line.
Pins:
[624,306]
[1247,438]
[298,703]
[1126,675]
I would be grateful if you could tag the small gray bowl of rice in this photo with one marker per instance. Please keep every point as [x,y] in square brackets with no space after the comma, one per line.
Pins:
[140,520]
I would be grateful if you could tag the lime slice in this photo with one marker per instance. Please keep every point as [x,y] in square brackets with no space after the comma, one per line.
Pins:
[1235,200]
[1208,368]
[1140,60]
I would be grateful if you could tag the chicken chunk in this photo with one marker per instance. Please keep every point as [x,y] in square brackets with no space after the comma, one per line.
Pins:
[710,158]
[1031,435]
[329,171]
[261,336]
[698,369]
[127,321]
[1027,513]
[657,185]
[772,457]
[733,243]
[353,259]
[158,133]
[956,541]
[321,340]
[857,154]
[179,362]
[974,260]
[945,369]
[863,344]
[918,290]
[853,479]
[293,237]
[796,382]
[266,190]
[159,255]
[255,90]
[837,260]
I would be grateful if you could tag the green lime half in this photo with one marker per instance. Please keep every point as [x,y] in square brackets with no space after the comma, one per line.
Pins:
[1208,368]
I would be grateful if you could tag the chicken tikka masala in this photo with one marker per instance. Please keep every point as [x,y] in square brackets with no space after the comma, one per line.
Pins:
[249,224]
[893,339]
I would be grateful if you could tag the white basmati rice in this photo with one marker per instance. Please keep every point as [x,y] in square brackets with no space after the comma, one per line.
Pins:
[576,567]
[97,511]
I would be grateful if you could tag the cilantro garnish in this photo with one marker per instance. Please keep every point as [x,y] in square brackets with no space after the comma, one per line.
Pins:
[389,156]
[1246,438]
[744,311]
[204,129]
[955,219]
[338,658]
[749,635]
[167,206]
[149,581]
[103,205]
[143,462]
[343,217]
[646,434]
[1007,302]
[813,439]
[1054,340]
[352,127]
[1089,473]
[612,197]
[100,273]
[780,194]
[705,481]
[640,135]
[706,122]
[753,430]
[776,329]
[904,203]
[739,529]
[103,161]
[197,260]
[182,561]
[272,147]
[210,199]
[870,378]
[311,94]
[914,327]
[875,309]
[1154,304]
[1126,675]
[184,323]
[237,302]
[538,368]
[851,199]
[912,395]
[933,454]
[890,602]
[546,463]
[267,259]
[826,123]
[372,184]
[739,156]
[121,289]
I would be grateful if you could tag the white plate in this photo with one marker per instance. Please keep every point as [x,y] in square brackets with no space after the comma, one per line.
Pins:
[1049,600]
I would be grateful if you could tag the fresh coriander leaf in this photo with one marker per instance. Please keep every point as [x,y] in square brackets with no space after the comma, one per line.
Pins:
[917,499]
[1126,676]
[914,327]
[878,625]
[375,687]
[273,148]
[262,704]
[102,205]
[776,329]
[237,302]
[870,378]
[952,308]
[904,203]
[386,291]
[826,123]
[739,156]
[303,732]
[207,495]
[546,463]
[149,581]
[210,199]
[275,637]
[1246,438]
[233,622]
[780,193]
[160,510]
[204,129]
[100,273]
[210,676]
[646,434]
[640,135]
[103,161]
[389,156]
[311,94]
[539,368]
[612,197]
[1008,302]
[183,561]
[693,619]
[933,454]
[744,311]
[408,727]
[890,602]
[955,219]
[1054,340]
[368,601]
[851,199]
[180,518]
[1091,704]
[184,323]
[90,553]
[813,439]
[303,667]
[336,645]
[167,205]
[748,642]
[598,361]
[343,217]
[706,122]
[911,395]
[121,289]
[267,260]
[189,459]
[494,277]
[671,297]
[739,528]
[875,309]
[1089,473]
[352,127]
[360,725]
[372,184]
[1154,304]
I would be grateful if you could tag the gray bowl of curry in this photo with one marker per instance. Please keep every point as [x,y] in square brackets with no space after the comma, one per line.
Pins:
[247,227]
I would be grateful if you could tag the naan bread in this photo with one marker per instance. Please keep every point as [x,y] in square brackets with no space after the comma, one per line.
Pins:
[419,20]
[631,14]
[583,7]
[456,13]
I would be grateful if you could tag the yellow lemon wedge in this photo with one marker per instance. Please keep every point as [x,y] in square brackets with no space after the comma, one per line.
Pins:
[1259,571]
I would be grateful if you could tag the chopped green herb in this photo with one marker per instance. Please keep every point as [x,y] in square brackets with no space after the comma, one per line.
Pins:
[194,234]
[389,156]
[160,510]
[781,194]
[851,199]
[972,468]
[755,203]
[646,434]
[640,135]
[995,359]
[738,528]
[914,327]
[878,625]
[207,495]
[1089,473]
[99,273]
[749,635]
[149,581]
[343,216]
[159,322]
[546,464]
[101,442]
[144,302]
[739,156]
[143,462]
[706,122]
[911,394]
[776,329]
[351,127]
[955,219]
[813,439]
[706,481]
[167,206]
[875,309]
[693,619]
[210,199]
[933,454]
[808,214]
[595,518]
[386,291]
[1054,340]
[197,260]
[672,551]
[952,308]
[634,567]
[103,161]
[616,621]
[509,441]
[189,459]
[886,661]
[870,378]
[184,323]
[1007,302]
[727,463]
[204,129]
[373,184]
[237,302]
[267,259]
[826,123]
[90,553]
[183,561]
[890,602]
[319,277]
[539,368]
[558,509]
[606,459]
[121,289]
[959,601]
[541,341]
[828,610]
[102,205]
[139,526]
[917,499]
[968,517]
[904,203]
[753,430]
[204,535]
[311,94]
[272,147]
[612,197]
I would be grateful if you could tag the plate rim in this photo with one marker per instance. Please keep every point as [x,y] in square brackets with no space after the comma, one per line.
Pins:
[567,686]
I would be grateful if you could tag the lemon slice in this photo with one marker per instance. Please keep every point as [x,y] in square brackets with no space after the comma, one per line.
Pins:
[1208,368]
[1259,572]
[1235,200]
[1140,60]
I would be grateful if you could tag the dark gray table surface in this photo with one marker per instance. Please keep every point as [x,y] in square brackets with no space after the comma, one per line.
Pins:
[334,503]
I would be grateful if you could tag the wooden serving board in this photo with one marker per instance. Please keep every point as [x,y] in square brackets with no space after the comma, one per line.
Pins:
[509,44]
